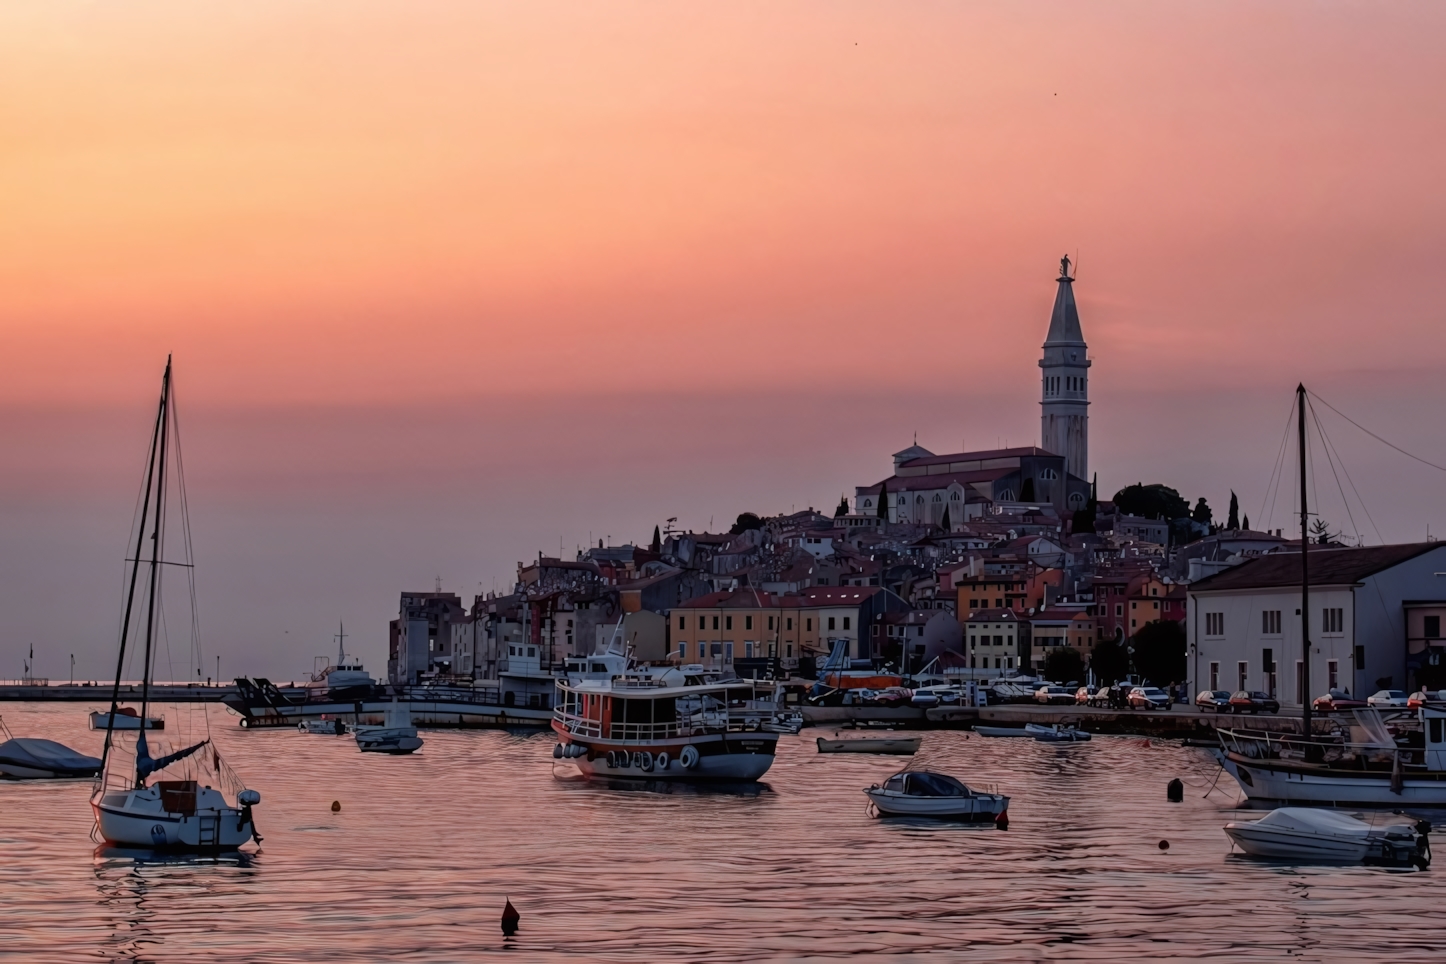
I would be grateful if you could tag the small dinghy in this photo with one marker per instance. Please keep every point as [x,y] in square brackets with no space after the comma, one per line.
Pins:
[31,759]
[396,735]
[900,746]
[1002,731]
[923,793]
[1329,836]
[1056,734]
[125,719]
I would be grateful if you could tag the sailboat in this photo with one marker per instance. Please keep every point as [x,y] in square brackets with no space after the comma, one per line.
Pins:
[1311,770]
[163,799]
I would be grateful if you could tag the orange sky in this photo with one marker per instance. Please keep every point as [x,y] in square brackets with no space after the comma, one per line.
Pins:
[349,218]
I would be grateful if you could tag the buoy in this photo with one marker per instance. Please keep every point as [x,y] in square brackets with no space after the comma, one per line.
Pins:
[336,806]
[557,751]
[510,919]
[1175,790]
[1002,821]
[1164,845]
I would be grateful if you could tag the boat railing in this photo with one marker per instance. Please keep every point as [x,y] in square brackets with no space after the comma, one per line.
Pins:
[689,724]
[1260,745]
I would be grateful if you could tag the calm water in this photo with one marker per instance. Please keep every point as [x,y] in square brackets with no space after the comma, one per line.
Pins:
[417,864]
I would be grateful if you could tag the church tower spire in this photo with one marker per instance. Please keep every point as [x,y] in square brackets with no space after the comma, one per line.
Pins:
[1064,403]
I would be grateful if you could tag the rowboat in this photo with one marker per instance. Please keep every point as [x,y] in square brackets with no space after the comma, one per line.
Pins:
[1002,731]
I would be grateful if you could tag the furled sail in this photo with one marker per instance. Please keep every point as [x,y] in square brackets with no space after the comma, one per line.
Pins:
[145,766]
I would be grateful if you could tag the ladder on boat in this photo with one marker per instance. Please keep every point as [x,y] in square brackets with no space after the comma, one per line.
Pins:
[208,830]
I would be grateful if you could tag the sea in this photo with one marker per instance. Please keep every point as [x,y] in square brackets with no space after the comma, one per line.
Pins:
[425,850]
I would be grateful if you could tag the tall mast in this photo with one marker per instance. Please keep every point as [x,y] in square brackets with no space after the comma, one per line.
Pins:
[135,562]
[156,545]
[1304,567]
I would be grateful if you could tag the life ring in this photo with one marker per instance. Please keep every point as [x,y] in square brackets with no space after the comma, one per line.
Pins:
[645,761]
[662,760]
[689,757]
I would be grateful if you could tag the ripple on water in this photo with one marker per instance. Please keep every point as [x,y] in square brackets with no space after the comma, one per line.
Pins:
[425,850]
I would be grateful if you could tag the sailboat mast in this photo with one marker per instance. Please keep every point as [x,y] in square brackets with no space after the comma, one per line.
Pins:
[135,561]
[156,544]
[1304,568]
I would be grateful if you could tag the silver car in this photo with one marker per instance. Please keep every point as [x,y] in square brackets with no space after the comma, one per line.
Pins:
[1388,699]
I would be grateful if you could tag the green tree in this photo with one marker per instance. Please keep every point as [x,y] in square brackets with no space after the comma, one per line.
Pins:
[1232,519]
[1159,654]
[1026,491]
[1084,519]
[1245,523]
[883,512]
[1109,661]
[746,521]
[657,545]
[1201,513]
[1064,664]
[843,507]
[1151,501]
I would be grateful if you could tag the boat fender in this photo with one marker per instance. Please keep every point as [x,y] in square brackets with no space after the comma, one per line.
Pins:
[689,757]
[557,751]
[662,760]
[301,727]
[612,760]
[645,761]
[248,798]
[1175,791]
[1002,821]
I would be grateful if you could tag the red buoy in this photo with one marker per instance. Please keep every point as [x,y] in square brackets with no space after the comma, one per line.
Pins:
[1002,821]
[510,918]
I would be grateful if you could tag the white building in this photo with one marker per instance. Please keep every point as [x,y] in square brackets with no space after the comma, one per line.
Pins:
[1243,625]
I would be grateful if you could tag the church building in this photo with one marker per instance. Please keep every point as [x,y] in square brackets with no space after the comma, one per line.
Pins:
[949,490]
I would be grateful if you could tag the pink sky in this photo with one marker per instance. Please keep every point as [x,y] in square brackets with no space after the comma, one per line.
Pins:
[770,240]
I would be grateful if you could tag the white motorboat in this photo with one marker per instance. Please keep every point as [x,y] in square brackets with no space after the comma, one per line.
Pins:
[396,735]
[1329,836]
[1002,731]
[1056,733]
[900,746]
[323,727]
[667,724]
[26,758]
[923,793]
[124,718]
[179,812]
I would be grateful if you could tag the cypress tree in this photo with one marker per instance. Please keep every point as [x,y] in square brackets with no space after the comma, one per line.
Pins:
[883,512]
[945,525]
[1232,518]
[657,545]
[1246,523]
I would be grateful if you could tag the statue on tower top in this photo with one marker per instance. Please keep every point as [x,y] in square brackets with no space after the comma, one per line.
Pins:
[1064,268]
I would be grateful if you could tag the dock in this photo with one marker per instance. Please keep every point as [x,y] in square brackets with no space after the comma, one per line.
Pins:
[96,692]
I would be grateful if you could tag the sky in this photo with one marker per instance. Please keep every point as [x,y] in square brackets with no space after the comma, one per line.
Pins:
[450,284]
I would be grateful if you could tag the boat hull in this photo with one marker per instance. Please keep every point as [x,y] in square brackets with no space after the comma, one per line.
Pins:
[1003,731]
[981,808]
[739,758]
[1281,782]
[430,713]
[394,740]
[1289,845]
[224,828]
[100,720]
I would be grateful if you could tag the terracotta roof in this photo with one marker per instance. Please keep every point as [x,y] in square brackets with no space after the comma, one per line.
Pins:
[990,615]
[1328,567]
[903,484]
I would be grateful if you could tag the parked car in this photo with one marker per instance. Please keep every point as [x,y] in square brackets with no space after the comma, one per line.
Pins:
[1217,700]
[1084,694]
[1420,698]
[1253,701]
[1052,693]
[1388,699]
[1149,698]
[1336,700]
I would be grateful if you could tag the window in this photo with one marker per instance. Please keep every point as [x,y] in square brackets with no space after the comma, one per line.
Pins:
[1270,622]
[999,604]
[998,640]
[682,622]
[715,622]
[790,624]
[1119,609]
[830,622]
[748,650]
[789,648]
[727,622]
[1299,681]
[747,622]
[1333,674]
[1433,627]
[973,604]
[1215,625]
[1360,657]
[727,652]
[846,622]
[972,641]
[1243,669]
[1333,620]
[683,652]
[808,625]
[1214,676]
[770,622]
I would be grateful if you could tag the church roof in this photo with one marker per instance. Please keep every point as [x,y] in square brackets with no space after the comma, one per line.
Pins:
[915,451]
[987,455]
[1064,326]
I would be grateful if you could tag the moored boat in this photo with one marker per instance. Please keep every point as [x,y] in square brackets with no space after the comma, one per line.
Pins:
[1057,733]
[901,746]
[27,758]
[1001,731]
[396,735]
[924,793]
[674,724]
[1328,836]
[124,718]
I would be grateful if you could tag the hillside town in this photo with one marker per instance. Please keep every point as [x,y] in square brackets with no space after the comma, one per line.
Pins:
[986,565]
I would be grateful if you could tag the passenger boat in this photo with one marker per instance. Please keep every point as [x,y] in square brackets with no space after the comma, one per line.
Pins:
[180,812]
[1328,836]
[124,718]
[665,724]
[901,746]
[27,758]
[923,793]
[396,735]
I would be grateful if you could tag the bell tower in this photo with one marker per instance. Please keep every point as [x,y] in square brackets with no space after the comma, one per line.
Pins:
[1064,400]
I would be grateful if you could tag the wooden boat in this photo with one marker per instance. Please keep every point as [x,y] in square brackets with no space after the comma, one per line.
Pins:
[1002,731]
[900,746]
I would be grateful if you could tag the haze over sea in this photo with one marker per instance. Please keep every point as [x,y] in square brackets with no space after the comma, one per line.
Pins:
[425,850]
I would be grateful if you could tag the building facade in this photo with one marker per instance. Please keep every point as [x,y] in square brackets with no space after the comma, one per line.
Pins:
[1064,416]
